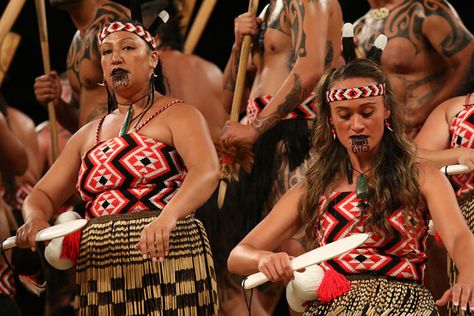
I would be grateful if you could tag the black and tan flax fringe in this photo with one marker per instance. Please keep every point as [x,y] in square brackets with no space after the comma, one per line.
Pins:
[466,204]
[378,296]
[112,277]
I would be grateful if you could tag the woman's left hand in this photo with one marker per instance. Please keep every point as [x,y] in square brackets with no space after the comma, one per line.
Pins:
[460,294]
[154,241]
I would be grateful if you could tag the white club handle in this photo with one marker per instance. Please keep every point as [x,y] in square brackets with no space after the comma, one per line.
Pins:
[454,169]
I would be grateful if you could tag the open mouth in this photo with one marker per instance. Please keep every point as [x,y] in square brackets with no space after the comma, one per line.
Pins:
[360,143]
[119,78]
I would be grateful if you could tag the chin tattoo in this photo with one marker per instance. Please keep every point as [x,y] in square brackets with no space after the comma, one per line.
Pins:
[360,144]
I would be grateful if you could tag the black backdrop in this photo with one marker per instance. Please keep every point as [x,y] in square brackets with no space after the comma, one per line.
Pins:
[214,45]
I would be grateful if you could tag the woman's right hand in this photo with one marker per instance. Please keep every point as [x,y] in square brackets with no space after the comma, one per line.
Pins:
[276,266]
[245,24]
[26,234]
[48,88]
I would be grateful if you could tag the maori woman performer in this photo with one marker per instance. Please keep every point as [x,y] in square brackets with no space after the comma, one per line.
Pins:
[447,139]
[142,169]
[364,178]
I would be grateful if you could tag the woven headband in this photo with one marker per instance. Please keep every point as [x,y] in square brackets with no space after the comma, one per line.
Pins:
[355,93]
[127,27]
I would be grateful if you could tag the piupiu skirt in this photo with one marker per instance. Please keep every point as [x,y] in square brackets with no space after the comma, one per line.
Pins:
[378,296]
[112,278]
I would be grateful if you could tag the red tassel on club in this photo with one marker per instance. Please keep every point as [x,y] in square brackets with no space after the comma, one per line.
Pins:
[332,286]
[70,247]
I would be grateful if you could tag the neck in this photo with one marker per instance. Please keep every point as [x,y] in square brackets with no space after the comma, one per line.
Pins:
[360,162]
[137,102]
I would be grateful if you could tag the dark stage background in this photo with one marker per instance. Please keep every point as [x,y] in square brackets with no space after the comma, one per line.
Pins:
[215,43]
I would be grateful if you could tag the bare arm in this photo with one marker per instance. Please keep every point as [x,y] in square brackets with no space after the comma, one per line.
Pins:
[244,24]
[433,140]
[192,140]
[54,188]
[255,252]
[310,23]
[451,226]
[13,157]
[48,88]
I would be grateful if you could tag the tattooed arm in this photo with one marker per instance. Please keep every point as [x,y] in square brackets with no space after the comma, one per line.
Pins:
[449,37]
[244,24]
[310,23]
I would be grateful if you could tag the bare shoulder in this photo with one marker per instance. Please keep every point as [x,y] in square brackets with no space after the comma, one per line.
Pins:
[430,177]
[181,110]
[20,118]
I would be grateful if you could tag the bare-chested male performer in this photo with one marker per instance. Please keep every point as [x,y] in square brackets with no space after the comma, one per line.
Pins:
[428,53]
[83,63]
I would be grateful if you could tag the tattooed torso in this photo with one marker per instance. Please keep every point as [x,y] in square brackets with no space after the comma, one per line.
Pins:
[278,49]
[83,64]
[415,68]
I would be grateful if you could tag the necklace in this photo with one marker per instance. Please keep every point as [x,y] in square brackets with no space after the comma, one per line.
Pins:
[379,13]
[362,188]
[128,117]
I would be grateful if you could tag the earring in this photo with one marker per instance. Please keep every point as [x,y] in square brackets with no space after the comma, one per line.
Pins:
[388,125]
[333,132]
[103,83]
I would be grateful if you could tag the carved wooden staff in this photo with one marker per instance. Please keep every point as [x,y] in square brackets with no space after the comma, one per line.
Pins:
[43,33]
[7,52]
[198,25]
[226,166]
[9,17]
[186,11]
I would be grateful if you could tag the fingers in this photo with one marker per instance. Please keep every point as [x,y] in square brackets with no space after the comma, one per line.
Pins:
[445,298]
[154,243]
[26,238]
[47,88]
[277,267]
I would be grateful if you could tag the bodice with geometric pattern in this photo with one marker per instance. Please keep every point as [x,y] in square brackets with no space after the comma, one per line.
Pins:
[400,255]
[129,173]
[462,135]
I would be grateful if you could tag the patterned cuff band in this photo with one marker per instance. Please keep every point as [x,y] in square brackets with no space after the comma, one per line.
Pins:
[355,93]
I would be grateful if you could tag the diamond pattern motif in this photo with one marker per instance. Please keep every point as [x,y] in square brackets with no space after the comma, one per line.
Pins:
[131,173]
[401,255]
[462,135]
[306,110]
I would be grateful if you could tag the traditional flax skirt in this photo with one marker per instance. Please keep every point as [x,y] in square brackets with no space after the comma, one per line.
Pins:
[112,278]
[466,204]
[378,296]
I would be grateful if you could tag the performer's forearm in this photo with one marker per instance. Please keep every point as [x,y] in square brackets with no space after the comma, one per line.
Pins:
[294,91]
[441,158]
[229,77]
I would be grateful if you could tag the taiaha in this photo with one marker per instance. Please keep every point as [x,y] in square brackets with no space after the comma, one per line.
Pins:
[199,24]
[229,164]
[43,32]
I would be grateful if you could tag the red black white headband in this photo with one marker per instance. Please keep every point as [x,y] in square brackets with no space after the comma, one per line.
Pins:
[127,27]
[355,93]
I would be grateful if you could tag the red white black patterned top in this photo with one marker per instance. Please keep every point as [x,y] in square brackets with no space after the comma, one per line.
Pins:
[462,135]
[400,255]
[129,173]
